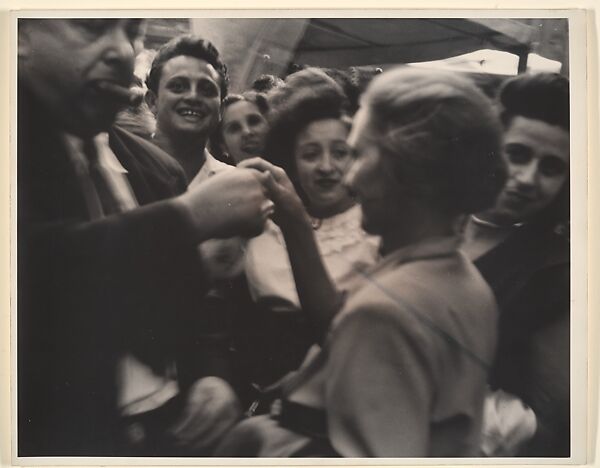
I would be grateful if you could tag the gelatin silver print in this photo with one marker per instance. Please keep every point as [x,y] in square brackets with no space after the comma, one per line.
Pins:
[294,237]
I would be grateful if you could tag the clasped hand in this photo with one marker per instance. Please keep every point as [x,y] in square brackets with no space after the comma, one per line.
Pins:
[289,208]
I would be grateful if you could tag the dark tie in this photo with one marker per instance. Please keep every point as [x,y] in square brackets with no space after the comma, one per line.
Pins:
[108,199]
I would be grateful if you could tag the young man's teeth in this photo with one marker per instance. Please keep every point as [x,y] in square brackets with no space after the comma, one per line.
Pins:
[190,112]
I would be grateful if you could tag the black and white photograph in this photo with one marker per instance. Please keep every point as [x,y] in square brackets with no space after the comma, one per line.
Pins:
[297,235]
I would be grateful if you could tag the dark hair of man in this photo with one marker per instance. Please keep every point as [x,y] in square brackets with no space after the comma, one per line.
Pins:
[192,46]
[304,103]
[441,136]
[541,96]
[544,97]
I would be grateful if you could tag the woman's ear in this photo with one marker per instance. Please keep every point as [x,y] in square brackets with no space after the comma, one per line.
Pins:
[150,98]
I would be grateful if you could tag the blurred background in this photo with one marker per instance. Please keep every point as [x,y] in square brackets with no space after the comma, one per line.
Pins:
[487,49]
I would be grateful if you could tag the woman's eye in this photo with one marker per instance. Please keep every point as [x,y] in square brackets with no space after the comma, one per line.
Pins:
[255,120]
[309,155]
[232,128]
[340,152]
[552,166]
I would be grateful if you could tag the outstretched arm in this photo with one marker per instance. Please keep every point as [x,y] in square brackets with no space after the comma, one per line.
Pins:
[317,292]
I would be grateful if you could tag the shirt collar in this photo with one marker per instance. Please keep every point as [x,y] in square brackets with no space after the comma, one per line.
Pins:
[438,246]
[210,167]
[106,157]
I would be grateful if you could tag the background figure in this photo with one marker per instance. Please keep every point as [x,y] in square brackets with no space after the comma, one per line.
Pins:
[265,83]
[521,247]
[404,367]
[243,126]
[137,117]
[108,279]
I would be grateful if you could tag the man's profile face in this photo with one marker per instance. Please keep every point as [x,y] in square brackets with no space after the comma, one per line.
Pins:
[79,68]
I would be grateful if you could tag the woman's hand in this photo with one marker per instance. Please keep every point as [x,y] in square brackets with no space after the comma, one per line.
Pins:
[289,208]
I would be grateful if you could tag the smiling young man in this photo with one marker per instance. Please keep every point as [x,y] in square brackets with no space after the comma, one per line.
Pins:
[108,274]
[186,84]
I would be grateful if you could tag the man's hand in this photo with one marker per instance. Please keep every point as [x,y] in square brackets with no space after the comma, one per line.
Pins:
[232,203]
[288,205]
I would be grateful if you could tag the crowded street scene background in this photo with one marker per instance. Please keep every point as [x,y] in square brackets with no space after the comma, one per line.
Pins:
[329,237]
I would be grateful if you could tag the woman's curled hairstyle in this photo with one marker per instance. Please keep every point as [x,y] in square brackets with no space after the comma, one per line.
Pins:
[303,104]
[442,136]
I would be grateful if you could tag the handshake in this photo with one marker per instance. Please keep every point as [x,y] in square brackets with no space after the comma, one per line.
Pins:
[239,202]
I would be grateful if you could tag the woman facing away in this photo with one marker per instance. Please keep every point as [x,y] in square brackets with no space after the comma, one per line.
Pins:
[307,137]
[521,247]
[403,367]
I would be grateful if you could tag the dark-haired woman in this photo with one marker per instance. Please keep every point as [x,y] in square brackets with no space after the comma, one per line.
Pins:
[403,368]
[521,247]
[308,139]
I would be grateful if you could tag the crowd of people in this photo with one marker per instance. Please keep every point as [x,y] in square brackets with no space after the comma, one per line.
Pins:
[316,267]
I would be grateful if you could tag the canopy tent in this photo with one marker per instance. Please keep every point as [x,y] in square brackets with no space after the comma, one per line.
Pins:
[343,42]
[252,46]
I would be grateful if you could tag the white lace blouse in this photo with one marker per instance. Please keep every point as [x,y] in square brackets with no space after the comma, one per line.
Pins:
[345,248]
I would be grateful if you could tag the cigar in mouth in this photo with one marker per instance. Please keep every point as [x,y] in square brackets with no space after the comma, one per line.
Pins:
[129,96]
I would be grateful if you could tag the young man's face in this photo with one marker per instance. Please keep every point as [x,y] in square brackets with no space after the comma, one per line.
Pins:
[188,98]
[79,68]
[537,158]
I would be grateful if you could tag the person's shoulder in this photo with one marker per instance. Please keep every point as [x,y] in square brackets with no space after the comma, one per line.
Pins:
[388,297]
[145,151]
[425,290]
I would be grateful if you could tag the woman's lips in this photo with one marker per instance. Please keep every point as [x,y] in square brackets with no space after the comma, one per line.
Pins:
[251,146]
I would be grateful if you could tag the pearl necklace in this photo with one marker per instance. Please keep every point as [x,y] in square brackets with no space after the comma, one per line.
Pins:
[483,222]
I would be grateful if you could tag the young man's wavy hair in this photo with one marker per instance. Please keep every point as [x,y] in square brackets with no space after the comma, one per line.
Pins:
[192,46]
[544,97]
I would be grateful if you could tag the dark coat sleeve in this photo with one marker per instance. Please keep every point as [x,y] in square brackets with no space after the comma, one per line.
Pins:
[86,288]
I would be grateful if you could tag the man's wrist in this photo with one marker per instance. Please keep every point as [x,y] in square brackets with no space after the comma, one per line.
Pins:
[199,227]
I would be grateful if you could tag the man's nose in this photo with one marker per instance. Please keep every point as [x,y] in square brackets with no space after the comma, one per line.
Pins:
[527,173]
[192,93]
[120,49]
